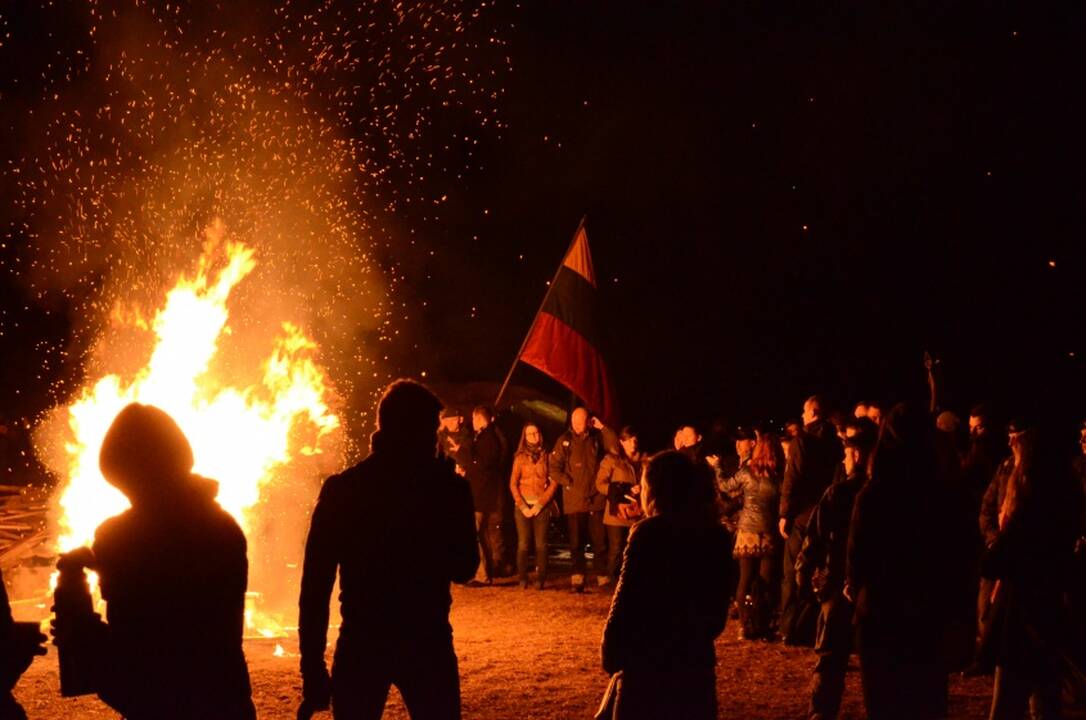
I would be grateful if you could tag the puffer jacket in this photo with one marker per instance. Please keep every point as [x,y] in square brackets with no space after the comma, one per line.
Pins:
[761,498]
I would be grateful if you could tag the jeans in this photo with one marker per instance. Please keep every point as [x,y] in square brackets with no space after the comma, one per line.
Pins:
[528,529]
[491,544]
[833,644]
[584,524]
[616,543]
[798,615]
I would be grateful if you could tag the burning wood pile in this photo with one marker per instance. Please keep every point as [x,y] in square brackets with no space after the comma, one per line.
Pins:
[264,431]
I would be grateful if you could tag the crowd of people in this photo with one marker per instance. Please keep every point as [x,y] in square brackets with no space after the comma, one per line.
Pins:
[893,535]
[887,535]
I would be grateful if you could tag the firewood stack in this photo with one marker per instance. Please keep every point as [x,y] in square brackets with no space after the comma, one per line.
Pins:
[24,533]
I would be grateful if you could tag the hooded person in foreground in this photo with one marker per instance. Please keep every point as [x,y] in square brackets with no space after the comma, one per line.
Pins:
[173,572]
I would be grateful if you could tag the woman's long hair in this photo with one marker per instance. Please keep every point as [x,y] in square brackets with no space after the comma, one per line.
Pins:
[532,451]
[627,433]
[767,458]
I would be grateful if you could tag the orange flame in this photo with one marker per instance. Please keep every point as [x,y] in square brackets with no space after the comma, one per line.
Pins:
[259,419]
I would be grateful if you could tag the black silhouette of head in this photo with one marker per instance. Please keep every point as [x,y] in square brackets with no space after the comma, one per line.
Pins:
[408,415]
[145,454]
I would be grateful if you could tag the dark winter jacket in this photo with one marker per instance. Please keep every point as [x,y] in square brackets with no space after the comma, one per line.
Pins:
[173,576]
[670,604]
[985,455]
[575,461]
[826,544]
[399,528]
[910,548]
[993,500]
[761,497]
[812,461]
[484,469]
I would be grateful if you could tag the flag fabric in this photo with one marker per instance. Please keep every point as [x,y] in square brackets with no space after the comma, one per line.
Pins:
[564,341]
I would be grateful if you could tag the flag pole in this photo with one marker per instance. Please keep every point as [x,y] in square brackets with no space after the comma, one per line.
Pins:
[550,286]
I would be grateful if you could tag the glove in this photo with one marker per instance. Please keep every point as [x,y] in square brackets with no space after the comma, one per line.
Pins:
[316,691]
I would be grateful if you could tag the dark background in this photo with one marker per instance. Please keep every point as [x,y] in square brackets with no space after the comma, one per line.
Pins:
[781,199]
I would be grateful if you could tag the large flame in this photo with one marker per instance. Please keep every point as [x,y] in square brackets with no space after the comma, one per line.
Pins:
[241,436]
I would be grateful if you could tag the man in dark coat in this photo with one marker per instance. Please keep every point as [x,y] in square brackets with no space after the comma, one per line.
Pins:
[399,527]
[574,463]
[986,451]
[485,458]
[909,549]
[173,572]
[812,461]
[821,566]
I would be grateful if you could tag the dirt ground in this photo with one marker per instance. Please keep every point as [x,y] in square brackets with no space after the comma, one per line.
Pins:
[532,654]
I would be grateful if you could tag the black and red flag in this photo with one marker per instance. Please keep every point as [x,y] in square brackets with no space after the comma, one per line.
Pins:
[564,340]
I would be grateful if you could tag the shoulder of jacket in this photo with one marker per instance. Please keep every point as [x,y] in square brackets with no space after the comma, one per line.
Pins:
[110,527]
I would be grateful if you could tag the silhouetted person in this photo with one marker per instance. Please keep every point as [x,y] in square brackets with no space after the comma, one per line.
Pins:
[1030,561]
[172,570]
[985,454]
[812,461]
[672,597]
[821,566]
[399,527]
[907,570]
[17,649]
[485,458]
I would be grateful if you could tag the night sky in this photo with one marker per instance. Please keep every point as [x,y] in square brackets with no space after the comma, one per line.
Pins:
[781,199]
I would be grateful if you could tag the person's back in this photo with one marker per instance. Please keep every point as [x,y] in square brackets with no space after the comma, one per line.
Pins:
[398,527]
[174,585]
[812,464]
[679,583]
[389,523]
[908,553]
[672,597]
[173,573]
